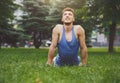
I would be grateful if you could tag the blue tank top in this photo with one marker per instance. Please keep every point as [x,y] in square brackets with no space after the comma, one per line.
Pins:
[68,50]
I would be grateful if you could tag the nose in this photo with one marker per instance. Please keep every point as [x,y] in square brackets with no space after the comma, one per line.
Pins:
[67,15]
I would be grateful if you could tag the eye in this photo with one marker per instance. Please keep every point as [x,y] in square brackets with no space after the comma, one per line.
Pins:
[70,14]
[65,14]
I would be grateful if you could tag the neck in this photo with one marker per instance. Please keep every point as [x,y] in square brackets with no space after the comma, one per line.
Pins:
[68,27]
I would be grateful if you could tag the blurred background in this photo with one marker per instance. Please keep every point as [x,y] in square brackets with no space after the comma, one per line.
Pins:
[29,23]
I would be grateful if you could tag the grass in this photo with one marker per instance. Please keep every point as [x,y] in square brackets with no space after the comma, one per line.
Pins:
[28,66]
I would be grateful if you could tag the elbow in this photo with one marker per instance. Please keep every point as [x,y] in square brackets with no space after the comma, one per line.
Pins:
[84,48]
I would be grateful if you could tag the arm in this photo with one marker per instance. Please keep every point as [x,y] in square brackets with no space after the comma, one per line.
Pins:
[52,47]
[83,47]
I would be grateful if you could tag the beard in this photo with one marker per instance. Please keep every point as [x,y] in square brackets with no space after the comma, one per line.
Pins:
[67,23]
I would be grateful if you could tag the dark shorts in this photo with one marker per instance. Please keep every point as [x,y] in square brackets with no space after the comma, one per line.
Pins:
[57,62]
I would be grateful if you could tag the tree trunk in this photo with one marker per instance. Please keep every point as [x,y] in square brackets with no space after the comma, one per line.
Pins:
[0,45]
[0,40]
[112,32]
[37,39]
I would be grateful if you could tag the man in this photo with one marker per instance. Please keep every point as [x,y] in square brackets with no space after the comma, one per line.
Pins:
[68,38]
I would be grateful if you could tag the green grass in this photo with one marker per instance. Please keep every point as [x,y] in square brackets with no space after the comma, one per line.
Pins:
[28,65]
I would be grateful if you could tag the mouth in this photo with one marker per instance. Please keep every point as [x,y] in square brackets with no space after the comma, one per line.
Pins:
[67,19]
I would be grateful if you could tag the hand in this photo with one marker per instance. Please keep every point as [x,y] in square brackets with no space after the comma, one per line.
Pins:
[48,64]
[83,65]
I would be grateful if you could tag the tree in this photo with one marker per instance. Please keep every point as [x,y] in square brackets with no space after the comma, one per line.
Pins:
[7,8]
[83,18]
[34,22]
[110,10]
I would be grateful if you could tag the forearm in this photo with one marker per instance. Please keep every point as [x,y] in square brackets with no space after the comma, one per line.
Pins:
[84,55]
[51,55]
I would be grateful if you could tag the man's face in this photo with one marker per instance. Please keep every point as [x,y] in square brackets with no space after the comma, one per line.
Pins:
[67,17]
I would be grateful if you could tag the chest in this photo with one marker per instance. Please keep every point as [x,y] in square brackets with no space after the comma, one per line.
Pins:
[68,35]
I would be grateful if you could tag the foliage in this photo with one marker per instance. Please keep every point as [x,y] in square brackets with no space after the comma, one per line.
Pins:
[86,22]
[6,12]
[28,66]
[108,12]
[34,20]
[7,33]
[56,8]
[36,15]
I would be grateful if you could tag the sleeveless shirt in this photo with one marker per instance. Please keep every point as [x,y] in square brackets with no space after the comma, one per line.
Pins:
[68,50]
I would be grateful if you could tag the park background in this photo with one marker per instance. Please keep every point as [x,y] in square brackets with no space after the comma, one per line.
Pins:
[25,36]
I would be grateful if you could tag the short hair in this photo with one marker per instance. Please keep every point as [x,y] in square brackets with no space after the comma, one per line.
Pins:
[68,9]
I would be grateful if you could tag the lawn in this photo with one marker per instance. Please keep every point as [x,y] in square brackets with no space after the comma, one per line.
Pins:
[27,65]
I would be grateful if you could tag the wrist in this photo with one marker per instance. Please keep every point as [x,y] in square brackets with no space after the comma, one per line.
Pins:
[83,64]
[49,62]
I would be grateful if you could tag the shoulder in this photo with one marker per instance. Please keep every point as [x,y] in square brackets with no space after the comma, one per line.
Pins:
[79,28]
[57,28]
